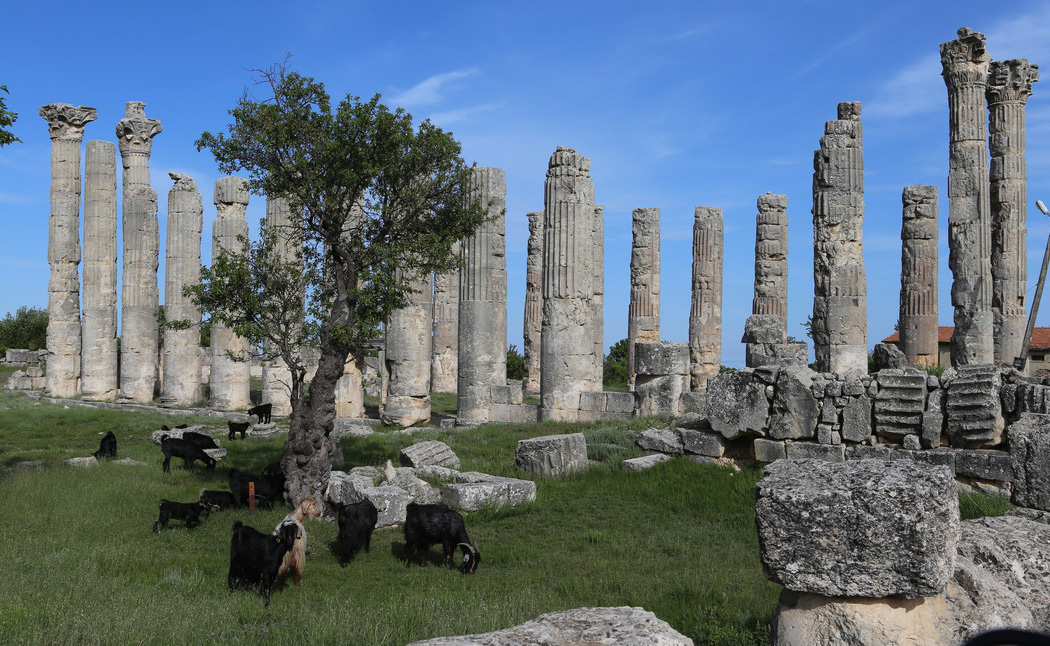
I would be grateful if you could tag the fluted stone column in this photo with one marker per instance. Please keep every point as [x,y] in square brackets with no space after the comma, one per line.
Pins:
[840,301]
[230,375]
[349,390]
[599,295]
[767,324]
[567,347]
[408,352]
[276,377]
[180,383]
[98,366]
[66,124]
[965,65]
[917,324]
[533,304]
[705,315]
[483,302]
[445,365]
[1009,86]
[643,311]
[139,333]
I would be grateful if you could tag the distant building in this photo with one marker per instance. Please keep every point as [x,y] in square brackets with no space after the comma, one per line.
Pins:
[1038,355]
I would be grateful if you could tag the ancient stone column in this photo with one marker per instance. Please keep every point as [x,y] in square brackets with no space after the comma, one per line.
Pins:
[840,286]
[408,353]
[276,377]
[180,383]
[349,390]
[98,365]
[230,380]
[567,346]
[599,295]
[767,324]
[705,315]
[965,69]
[66,123]
[643,312]
[445,365]
[1009,86]
[917,324]
[483,302]
[533,305]
[139,296]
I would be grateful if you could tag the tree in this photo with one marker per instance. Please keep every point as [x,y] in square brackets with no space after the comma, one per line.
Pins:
[7,119]
[515,363]
[375,202]
[26,330]
[614,373]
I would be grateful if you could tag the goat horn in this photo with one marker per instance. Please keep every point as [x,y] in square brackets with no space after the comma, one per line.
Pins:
[473,550]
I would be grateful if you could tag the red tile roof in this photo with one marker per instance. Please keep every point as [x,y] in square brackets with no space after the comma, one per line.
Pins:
[1040,336]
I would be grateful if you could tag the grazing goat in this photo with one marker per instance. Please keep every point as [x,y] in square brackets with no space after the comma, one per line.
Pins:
[273,469]
[107,447]
[189,512]
[222,500]
[356,523]
[188,451]
[426,525]
[255,557]
[295,560]
[200,439]
[269,488]
[238,427]
[262,411]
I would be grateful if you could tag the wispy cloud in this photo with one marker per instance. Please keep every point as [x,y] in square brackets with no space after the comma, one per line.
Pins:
[459,114]
[430,90]
[689,33]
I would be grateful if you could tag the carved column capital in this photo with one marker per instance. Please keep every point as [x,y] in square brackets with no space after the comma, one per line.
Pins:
[135,132]
[1011,81]
[67,121]
[965,60]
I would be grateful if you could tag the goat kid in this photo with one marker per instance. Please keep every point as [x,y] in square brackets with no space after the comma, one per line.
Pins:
[188,512]
[255,557]
[295,560]
[188,451]
[107,447]
[237,427]
[221,500]
[200,439]
[427,525]
[263,412]
[356,524]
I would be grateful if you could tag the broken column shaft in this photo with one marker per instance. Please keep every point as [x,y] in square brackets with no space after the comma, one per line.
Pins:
[98,365]
[643,312]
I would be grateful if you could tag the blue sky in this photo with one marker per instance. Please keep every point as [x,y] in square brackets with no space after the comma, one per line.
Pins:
[678,104]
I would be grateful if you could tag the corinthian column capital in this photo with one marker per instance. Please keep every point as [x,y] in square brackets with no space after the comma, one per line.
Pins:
[67,121]
[965,60]
[1011,81]
[135,132]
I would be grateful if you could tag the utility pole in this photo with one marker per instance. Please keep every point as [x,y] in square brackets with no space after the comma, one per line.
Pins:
[1020,361]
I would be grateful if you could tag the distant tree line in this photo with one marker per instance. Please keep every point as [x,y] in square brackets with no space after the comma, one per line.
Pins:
[26,330]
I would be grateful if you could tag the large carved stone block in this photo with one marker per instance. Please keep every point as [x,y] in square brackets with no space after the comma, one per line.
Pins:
[737,404]
[552,455]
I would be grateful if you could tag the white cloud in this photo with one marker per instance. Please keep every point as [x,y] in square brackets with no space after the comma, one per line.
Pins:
[459,114]
[429,90]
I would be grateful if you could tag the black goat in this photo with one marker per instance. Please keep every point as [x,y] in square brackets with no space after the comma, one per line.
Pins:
[262,411]
[356,523]
[268,488]
[427,525]
[200,439]
[255,557]
[173,446]
[164,427]
[107,447]
[222,500]
[238,427]
[189,512]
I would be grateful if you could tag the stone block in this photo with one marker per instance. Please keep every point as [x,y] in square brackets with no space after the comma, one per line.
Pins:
[481,490]
[429,452]
[1030,456]
[702,442]
[856,418]
[661,358]
[764,329]
[644,462]
[89,461]
[660,394]
[864,528]
[694,402]
[552,456]
[737,404]
[864,452]
[911,442]
[264,430]
[392,503]
[663,440]
[418,490]
[769,450]
[505,394]
[828,452]
[795,410]
[984,464]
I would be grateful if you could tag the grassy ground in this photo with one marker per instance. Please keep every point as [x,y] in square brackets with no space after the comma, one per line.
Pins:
[83,566]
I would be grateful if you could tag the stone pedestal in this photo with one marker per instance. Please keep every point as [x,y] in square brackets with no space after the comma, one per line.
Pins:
[181,373]
[643,314]
[705,316]
[918,312]
[99,359]
[230,354]
[533,305]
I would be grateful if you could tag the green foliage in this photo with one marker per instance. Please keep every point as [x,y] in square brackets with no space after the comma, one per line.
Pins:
[618,351]
[7,119]
[515,363]
[614,371]
[27,329]
[978,505]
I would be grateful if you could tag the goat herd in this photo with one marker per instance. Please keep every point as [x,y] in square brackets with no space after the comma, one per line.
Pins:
[258,559]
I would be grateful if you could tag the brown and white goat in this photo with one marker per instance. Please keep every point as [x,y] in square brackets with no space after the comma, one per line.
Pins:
[295,560]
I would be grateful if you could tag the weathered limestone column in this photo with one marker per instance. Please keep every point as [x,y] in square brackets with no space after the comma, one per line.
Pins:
[767,324]
[567,347]
[599,295]
[643,312]
[408,351]
[965,69]
[483,302]
[66,123]
[840,286]
[705,316]
[180,383]
[349,390]
[276,377]
[533,305]
[139,333]
[98,365]
[445,365]
[230,375]
[1009,86]
[917,324]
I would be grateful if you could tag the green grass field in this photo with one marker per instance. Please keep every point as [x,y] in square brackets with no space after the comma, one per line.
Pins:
[83,566]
